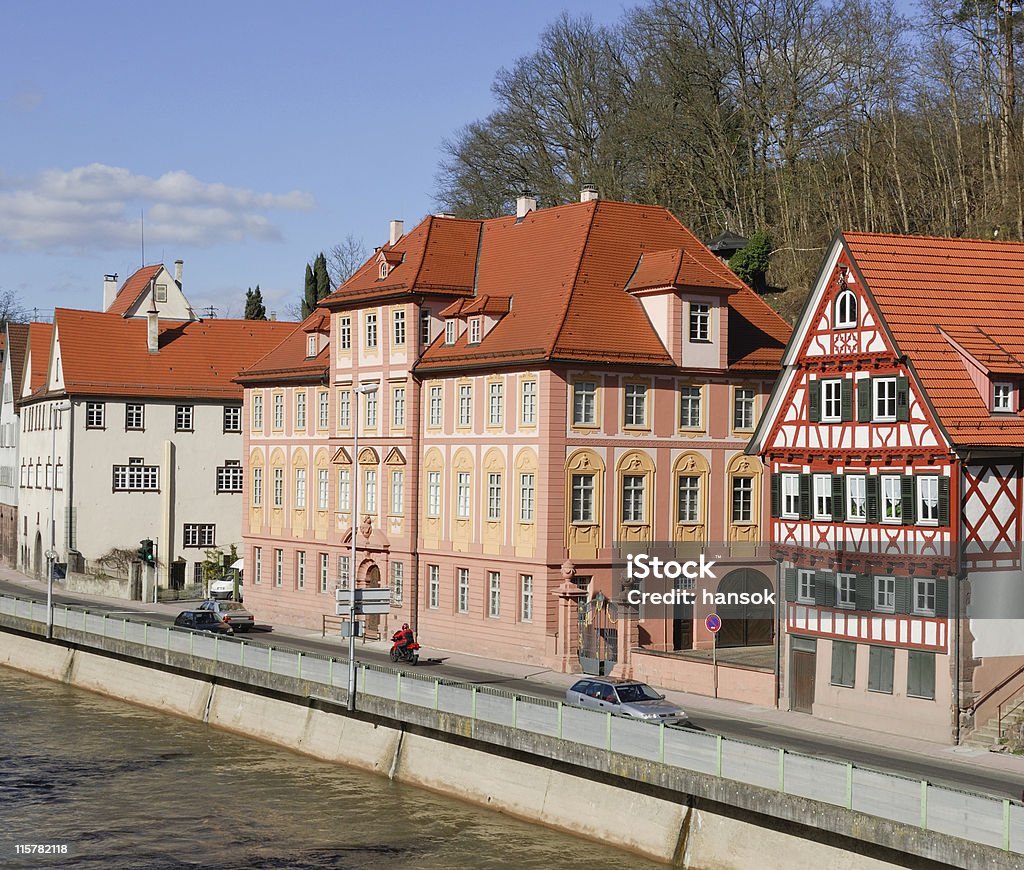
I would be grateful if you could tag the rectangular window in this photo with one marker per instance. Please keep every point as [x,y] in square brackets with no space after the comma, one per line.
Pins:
[424,327]
[434,587]
[928,500]
[526,498]
[344,333]
[183,421]
[257,486]
[300,410]
[278,567]
[465,404]
[161,293]
[134,416]
[805,587]
[278,410]
[742,499]
[436,399]
[633,502]
[232,418]
[790,496]
[924,596]
[844,663]
[921,675]
[324,412]
[370,491]
[474,331]
[494,598]
[584,403]
[300,488]
[278,487]
[135,476]
[689,407]
[257,412]
[398,408]
[257,564]
[94,415]
[700,321]
[823,496]
[300,569]
[397,491]
[397,583]
[885,594]
[199,535]
[463,574]
[526,597]
[322,488]
[311,348]
[831,401]
[371,330]
[856,498]
[399,327]
[494,496]
[344,488]
[635,405]
[892,499]
[433,493]
[229,476]
[846,590]
[743,409]
[371,410]
[449,332]
[583,498]
[885,399]
[462,495]
[1002,398]
[529,403]
[325,570]
[688,499]
[880,667]
[345,409]
[495,404]
[343,571]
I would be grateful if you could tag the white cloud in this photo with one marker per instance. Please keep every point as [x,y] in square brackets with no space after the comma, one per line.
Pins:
[99,206]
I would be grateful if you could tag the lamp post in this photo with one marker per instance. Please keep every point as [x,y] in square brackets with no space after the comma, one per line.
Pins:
[366,390]
[51,554]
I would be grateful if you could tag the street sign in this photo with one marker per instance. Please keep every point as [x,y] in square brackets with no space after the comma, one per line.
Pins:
[367,601]
[713,622]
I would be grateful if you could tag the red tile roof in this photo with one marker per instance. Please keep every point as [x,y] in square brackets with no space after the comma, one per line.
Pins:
[103,354]
[133,288]
[678,267]
[39,335]
[287,360]
[971,290]
[17,342]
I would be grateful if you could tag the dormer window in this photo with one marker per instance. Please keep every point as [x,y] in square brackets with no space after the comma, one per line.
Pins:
[449,332]
[474,331]
[383,269]
[311,346]
[1002,398]
[700,321]
[846,309]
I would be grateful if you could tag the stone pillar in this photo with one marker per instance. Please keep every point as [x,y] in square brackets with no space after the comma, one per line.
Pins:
[567,643]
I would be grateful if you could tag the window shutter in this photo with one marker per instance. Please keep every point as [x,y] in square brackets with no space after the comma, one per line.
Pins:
[847,400]
[909,510]
[942,597]
[837,665]
[791,584]
[776,496]
[904,585]
[838,498]
[871,497]
[864,400]
[865,596]
[874,670]
[824,586]
[943,501]
[805,496]
[814,401]
[902,399]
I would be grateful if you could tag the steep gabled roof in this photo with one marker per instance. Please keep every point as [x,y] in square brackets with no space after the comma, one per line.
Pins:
[38,350]
[287,360]
[133,288]
[17,344]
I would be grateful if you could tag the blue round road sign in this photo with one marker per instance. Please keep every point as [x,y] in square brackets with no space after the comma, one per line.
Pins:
[713,622]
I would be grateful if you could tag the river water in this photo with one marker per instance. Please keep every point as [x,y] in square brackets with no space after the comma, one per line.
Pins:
[124,787]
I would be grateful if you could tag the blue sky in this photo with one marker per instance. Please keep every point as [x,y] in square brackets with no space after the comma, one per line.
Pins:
[253,135]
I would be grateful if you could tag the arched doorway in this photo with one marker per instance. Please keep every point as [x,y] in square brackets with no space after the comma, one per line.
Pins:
[37,559]
[372,581]
[746,624]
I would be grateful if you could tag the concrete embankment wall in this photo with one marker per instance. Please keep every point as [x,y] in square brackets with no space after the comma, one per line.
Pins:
[693,821]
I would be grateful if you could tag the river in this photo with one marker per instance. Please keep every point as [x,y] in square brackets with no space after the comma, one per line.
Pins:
[120,786]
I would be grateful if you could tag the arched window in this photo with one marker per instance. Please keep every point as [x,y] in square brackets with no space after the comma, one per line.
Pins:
[846,309]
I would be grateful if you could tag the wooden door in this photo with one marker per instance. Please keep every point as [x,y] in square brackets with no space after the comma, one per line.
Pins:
[801,680]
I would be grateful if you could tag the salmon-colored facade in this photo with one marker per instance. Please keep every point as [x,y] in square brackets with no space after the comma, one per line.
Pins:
[543,386]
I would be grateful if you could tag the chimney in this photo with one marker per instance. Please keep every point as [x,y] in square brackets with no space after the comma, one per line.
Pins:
[524,205]
[396,230]
[273,315]
[109,290]
[178,266]
[153,327]
[588,193]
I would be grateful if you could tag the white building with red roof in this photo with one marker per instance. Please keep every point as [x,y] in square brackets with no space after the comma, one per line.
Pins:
[895,440]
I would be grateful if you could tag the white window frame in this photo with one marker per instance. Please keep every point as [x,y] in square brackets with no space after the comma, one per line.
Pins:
[526,597]
[584,403]
[494,594]
[462,494]
[433,493]
[370,325]
[691,490]
[583,491]
[527,496]
[634,406]
[324,405]
[743,498]
[257,486]
[370,490]
[257,564]
[278,487]
[230,476]
[436,406]
[449,331]
[462,576]
[300,569]
[832,400]
[845,309]
[789,495]
[278,567]
[494,496]
[300,488]
[398,408]
[474,330]
[890,490]
[1002,398]
[691,399]
[397,491]
[322,489]
[325,570]
[925,591]
[822,494]
[278,420]
[856,486]
[927,499]
[883,397]
[465,405]
[184,418]
[744,400]
[884,594]
[345,409]
[257,412]
[397,583]
[495,403]
[634,498]
[529,402]
[95,415]
[398,327]
[805,580]
[300,410]
[344,489]
[700,322]
[345,333]
[433,586]
[846,591]
[135,416]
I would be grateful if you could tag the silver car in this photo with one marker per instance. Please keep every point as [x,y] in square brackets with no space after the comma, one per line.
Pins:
[232,612]
[624,698]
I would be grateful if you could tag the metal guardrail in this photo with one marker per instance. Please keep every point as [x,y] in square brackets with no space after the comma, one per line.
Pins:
[974,817]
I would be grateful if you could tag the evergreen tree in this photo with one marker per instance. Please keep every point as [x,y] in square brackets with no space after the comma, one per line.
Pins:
[323,279]
[751,263]
[254,307]
[309,297]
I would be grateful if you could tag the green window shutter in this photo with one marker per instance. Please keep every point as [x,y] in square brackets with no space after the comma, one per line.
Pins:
[942,597]
[874,669]
[776,495]
[838,498]
[902,399]
[814,401]
[871,487]
[805,496]
[865,592]
[791,584]
[943,501]
[847,400]
[864,400]
[904,591]
[824,588]
[909,510]
[837,664]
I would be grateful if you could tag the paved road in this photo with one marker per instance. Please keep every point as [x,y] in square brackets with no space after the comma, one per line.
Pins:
[941,770]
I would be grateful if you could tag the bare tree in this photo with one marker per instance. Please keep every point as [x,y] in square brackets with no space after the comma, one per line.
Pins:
[12,308]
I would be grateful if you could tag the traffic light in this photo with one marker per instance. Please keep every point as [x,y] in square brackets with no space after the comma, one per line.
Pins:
[146,551]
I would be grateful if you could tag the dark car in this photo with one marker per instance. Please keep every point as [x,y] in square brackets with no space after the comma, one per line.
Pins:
[203,620]
[626,698]
[232,612]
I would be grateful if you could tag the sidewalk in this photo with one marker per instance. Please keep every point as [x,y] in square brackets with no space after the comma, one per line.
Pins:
[695,705]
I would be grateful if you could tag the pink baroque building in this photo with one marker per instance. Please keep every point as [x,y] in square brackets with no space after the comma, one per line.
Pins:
[547,384]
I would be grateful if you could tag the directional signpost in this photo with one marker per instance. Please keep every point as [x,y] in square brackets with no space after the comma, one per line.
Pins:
[368,601]
[713,622]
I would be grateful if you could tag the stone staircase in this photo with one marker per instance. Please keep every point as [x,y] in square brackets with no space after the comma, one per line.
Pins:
[986,735]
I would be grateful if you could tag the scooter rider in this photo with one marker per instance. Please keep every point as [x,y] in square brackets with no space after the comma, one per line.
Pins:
[404,638]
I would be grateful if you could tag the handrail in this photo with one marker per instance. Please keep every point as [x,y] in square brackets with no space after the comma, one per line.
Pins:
[1001,685]
[339,621]
[1000,717]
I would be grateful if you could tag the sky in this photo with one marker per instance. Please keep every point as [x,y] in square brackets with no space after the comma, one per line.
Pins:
[244,137]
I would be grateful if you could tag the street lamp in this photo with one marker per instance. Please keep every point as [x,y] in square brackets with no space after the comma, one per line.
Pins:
[366,390]
[51,554]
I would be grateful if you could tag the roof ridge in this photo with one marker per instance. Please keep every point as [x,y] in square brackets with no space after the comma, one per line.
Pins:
[576,276]
[426,246]
[928,237]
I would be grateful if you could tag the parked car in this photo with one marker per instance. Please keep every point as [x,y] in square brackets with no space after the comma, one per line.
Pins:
[232,612]
[625,698]
[203,620]
[225,587]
